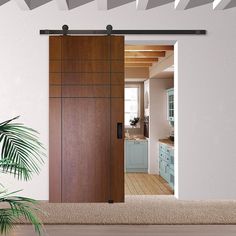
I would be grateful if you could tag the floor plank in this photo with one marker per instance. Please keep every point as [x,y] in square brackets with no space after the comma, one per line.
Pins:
[130,230]
[146,184]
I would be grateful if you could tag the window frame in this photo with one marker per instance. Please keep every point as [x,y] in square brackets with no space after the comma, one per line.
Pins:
[138,86]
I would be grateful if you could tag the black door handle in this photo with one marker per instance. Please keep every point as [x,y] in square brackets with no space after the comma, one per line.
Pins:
[119,130]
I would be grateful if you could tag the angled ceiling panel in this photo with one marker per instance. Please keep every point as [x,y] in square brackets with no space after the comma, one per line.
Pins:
[232,4]
[198,3]
[3,2]
[77,3]
[117,3]
[155,3]
[37,3]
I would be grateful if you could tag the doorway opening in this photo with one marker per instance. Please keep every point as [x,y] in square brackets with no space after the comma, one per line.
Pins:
[149,119]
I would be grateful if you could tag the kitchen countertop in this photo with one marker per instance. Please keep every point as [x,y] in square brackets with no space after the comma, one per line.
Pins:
[167,141]
[136,139]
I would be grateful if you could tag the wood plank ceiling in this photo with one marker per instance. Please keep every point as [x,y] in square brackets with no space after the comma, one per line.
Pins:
[110,4]
[145,55]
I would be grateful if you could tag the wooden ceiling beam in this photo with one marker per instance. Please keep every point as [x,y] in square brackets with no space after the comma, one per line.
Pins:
[144,54]
[149,47]
[138,64]
[141,60]
[220,4]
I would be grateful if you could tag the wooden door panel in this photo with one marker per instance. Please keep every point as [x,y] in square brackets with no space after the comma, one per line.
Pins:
[84,66]
[86,149]
[55,149]
[117,151]
[86,91]
[87,81]
[55,91]
[55,79]
[117,66]
[55,66]
[86,78]
[85,48]
[117,78]
[117,48]
[55,43]
[117,91]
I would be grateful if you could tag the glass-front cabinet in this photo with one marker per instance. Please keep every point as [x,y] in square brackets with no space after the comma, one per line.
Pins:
[170,104]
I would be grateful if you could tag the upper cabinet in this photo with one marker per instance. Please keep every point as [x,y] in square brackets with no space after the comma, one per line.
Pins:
[170,104]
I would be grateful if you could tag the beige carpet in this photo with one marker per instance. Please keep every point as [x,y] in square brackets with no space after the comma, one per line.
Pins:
[142,210]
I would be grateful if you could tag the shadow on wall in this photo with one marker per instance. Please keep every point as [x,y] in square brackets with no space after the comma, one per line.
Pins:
[118,3]
[197,3]
[155,3]
[75,3]
[231,5]
[37,3]
[111,3]
[3,2]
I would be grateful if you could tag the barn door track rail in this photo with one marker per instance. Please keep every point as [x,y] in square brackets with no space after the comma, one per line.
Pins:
[109,31]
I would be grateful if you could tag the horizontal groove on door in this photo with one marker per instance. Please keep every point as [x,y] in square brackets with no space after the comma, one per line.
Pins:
[85,91]
[85,66]
[85,78]
[66,91]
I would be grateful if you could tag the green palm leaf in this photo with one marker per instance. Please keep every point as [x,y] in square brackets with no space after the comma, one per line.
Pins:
[21,153]
[18,208]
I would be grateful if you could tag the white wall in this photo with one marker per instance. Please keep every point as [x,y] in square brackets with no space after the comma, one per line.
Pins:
[205,83]
[159,126]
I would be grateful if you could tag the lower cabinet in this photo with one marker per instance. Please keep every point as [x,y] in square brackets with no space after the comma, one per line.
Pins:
[136,156]
[166,163]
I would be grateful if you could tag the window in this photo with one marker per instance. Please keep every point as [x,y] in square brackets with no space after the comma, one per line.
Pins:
[132,104]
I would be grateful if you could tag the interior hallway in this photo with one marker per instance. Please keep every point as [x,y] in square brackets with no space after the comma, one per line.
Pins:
[146,184]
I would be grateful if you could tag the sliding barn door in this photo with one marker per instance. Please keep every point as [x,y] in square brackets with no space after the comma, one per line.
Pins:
[86,153]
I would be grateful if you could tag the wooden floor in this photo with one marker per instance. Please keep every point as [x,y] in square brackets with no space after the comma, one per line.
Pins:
[130,230]
[146,184]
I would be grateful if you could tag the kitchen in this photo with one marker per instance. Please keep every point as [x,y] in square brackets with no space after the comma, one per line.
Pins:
[149,120]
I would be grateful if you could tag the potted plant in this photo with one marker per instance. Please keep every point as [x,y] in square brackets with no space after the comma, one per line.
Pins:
[21,156]
[134,122]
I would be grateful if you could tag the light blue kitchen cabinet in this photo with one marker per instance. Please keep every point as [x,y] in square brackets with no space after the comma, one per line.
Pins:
[136,156]
[170,105]
[166,163]
[164,171]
